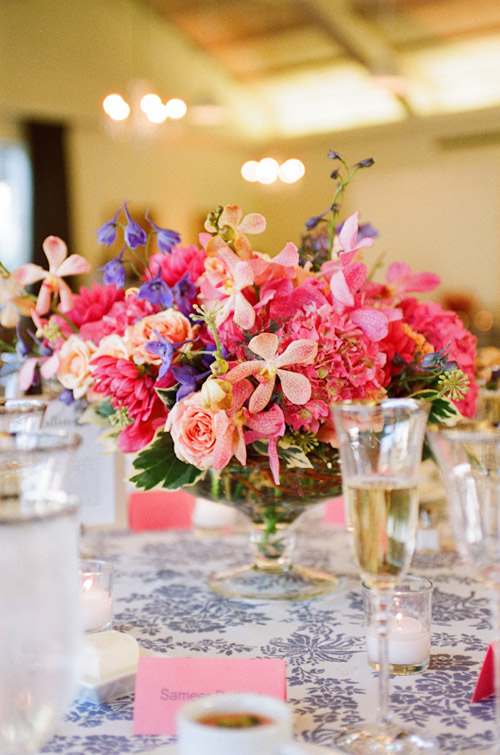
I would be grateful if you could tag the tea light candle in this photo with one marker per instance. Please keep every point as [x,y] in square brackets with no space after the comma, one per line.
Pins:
[97,606]
[408,641]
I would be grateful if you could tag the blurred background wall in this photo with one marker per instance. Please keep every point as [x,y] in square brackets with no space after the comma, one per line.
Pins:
[433,194]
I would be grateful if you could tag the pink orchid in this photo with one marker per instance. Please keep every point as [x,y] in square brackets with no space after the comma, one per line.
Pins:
[59,265]
[347,239]
[240,276]
[403,281]
[295,386]
[270,425]
[228,428]
[232,218]
[48,369]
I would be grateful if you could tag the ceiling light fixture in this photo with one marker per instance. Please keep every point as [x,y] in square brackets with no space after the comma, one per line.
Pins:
[268,170]
[144,108]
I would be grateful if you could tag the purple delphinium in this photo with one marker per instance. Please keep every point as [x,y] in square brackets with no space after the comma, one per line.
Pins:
[314,221]
[66,396]
[187,376]
[134,235]
[163,349]
[166,239]
[114,271]
[366,163]
[106,234]
[184,292]
[156,291]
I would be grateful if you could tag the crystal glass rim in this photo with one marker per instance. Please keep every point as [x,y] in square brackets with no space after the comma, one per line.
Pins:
[14,406]
[469,431]
[422,585]
[49,506]
[38,441]
[94,566]
[386,403]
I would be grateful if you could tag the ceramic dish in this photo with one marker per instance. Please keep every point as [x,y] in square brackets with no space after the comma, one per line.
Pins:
[110,689]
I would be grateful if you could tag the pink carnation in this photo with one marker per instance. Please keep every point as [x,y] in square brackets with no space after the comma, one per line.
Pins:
[445,330]
[91,304]
[182,260]
[129,387]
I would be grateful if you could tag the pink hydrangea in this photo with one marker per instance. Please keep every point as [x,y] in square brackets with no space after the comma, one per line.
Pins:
[347,365]
[445,330]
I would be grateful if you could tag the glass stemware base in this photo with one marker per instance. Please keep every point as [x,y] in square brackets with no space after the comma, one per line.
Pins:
[389,737]
[272,511]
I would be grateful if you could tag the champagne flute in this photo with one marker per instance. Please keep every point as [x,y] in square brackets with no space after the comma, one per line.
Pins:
[468,456]
[40,624]
[380,448]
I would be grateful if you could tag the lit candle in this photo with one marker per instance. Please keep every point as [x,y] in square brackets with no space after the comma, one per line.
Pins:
[408,642]
[97,606]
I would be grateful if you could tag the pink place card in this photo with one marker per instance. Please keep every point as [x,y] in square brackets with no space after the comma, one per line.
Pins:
[485,685]
[160,510]
[163,685]
[335,511]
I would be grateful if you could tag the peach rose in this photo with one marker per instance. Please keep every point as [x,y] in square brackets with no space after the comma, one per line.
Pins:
[74,369]
[171,324]
[192,430]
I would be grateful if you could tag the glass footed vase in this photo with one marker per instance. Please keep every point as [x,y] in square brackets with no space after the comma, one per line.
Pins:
[272,511]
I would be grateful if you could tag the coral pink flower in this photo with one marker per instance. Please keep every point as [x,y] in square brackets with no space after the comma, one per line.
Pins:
[60,265]
[270,425]
[228,427]
[193,432]
[295,387]
[129,387]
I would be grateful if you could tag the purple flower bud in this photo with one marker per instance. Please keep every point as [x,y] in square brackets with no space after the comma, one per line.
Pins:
[106,234]
[157,292]
[334,155]
[22,349]
[165,238]
[66,396]
[114,271]
[313,222]
[367,163]
[134,235]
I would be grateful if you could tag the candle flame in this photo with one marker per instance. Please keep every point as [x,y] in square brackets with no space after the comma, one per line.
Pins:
[399,619]
[87,584]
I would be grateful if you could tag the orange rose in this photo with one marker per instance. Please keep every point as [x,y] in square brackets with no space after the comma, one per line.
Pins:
[74,368]
[171,324]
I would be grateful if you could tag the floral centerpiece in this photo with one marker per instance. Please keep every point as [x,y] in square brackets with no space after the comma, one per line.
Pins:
[220,357]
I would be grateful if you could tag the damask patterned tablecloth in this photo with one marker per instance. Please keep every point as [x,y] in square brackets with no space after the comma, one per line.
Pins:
[162,599]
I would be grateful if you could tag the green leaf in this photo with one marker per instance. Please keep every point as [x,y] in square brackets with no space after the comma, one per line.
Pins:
[293,456]
[104,409]
[167,395]
[161,467]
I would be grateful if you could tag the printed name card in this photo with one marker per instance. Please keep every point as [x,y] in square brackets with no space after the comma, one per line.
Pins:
[163,685]
[335,511]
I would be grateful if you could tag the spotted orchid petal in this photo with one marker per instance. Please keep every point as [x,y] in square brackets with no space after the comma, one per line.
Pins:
[262,395]
[244,313]
[265,345]
[230,216]
[372,322]
[252,223]
[340,289]
[243,370]
[75,264]
[301,351]
[29,273]
[296,387]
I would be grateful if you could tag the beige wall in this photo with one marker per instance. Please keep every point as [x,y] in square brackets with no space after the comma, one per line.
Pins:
[436,208]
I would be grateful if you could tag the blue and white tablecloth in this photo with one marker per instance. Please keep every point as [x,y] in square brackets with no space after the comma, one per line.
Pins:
[161,598]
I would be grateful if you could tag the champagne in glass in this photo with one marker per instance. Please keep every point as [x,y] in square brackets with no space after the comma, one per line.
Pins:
[384,519]
[380,448]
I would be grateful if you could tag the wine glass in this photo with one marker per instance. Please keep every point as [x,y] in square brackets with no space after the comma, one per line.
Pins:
[468,456]
[380,448]
[40,625]
[23,413]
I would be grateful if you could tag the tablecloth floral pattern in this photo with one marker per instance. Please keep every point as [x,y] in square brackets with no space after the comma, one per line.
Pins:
[161,598]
